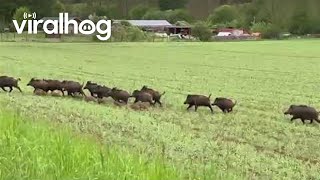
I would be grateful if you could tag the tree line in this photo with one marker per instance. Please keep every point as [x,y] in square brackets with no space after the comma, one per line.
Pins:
[295,16]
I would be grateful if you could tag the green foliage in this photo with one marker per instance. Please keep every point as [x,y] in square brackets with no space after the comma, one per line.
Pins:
[178,15]
[34,150]
[58,8]
[267,30]
[128,33]
[18,15]
[154,15]
[223,14]
[171,4]
[202,31]
[138,12]
[300,23]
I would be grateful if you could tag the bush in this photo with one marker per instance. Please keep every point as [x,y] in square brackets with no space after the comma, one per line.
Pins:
[202,31]
[122,33]
[267,30]
[222,15]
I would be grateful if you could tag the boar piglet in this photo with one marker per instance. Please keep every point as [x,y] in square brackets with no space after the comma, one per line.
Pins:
[303,112]
[10,82]
[198,100]
[156,96]
[226,105]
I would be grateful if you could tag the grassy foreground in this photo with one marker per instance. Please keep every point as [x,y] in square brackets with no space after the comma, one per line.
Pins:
[255,141]
[34,150]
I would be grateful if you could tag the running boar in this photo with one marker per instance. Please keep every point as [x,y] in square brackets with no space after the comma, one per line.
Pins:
[140,106]
[54,85]
[92,88]
[141,96]
[40,92]
[303,112]
[226,105]
[10,82]
[90,99]
[198,100]
[97,90]
[38,84]
[155,94]
[72,88]
[119,95]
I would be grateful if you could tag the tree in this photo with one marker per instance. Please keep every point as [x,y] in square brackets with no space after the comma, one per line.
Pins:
[178,15]
[300,23]
[19,14]
[172,4]
[222,15]
[202,31]
[138,12]
[155,15]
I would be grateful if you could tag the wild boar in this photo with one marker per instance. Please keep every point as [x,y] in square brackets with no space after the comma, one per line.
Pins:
[198,100]
[40,92]
[140,106]
[155,94]
[303,112]
[90,99]
[141,96]
[38,84]
[10,82]
[72,88]
[226,105]
[119,95]
[92,88]
[54,85]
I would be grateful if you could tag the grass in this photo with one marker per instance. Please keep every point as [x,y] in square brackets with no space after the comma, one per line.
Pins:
[256,141]
[33,150]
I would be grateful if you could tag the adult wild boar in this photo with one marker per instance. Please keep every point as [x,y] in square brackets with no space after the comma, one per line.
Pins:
[72,88]
[10,82]
[303,112]
[156,96]
[97,90]
[142,96]
[38,84]
[226,105]
[119,95]
[198,100]
[54,85]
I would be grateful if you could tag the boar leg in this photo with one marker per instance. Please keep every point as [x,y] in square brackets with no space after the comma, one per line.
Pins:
[190,105]
[196,108]
[158,101]
[293,118]
[210,108]
[3,89]
[17,87]
[10,89]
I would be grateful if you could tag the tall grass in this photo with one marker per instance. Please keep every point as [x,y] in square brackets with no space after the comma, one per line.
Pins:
[33,150]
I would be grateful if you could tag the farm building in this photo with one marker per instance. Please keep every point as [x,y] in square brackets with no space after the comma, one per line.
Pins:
[50,26]
[148,25]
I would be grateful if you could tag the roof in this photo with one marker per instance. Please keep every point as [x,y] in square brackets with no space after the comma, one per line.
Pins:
[147,23]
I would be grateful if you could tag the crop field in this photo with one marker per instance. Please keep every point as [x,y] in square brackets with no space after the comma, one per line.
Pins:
[255,141]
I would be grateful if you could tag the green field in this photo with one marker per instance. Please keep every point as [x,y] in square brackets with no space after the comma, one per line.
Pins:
[256,141]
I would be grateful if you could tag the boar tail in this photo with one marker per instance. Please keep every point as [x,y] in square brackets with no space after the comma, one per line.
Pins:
[209,96]
[19,79]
